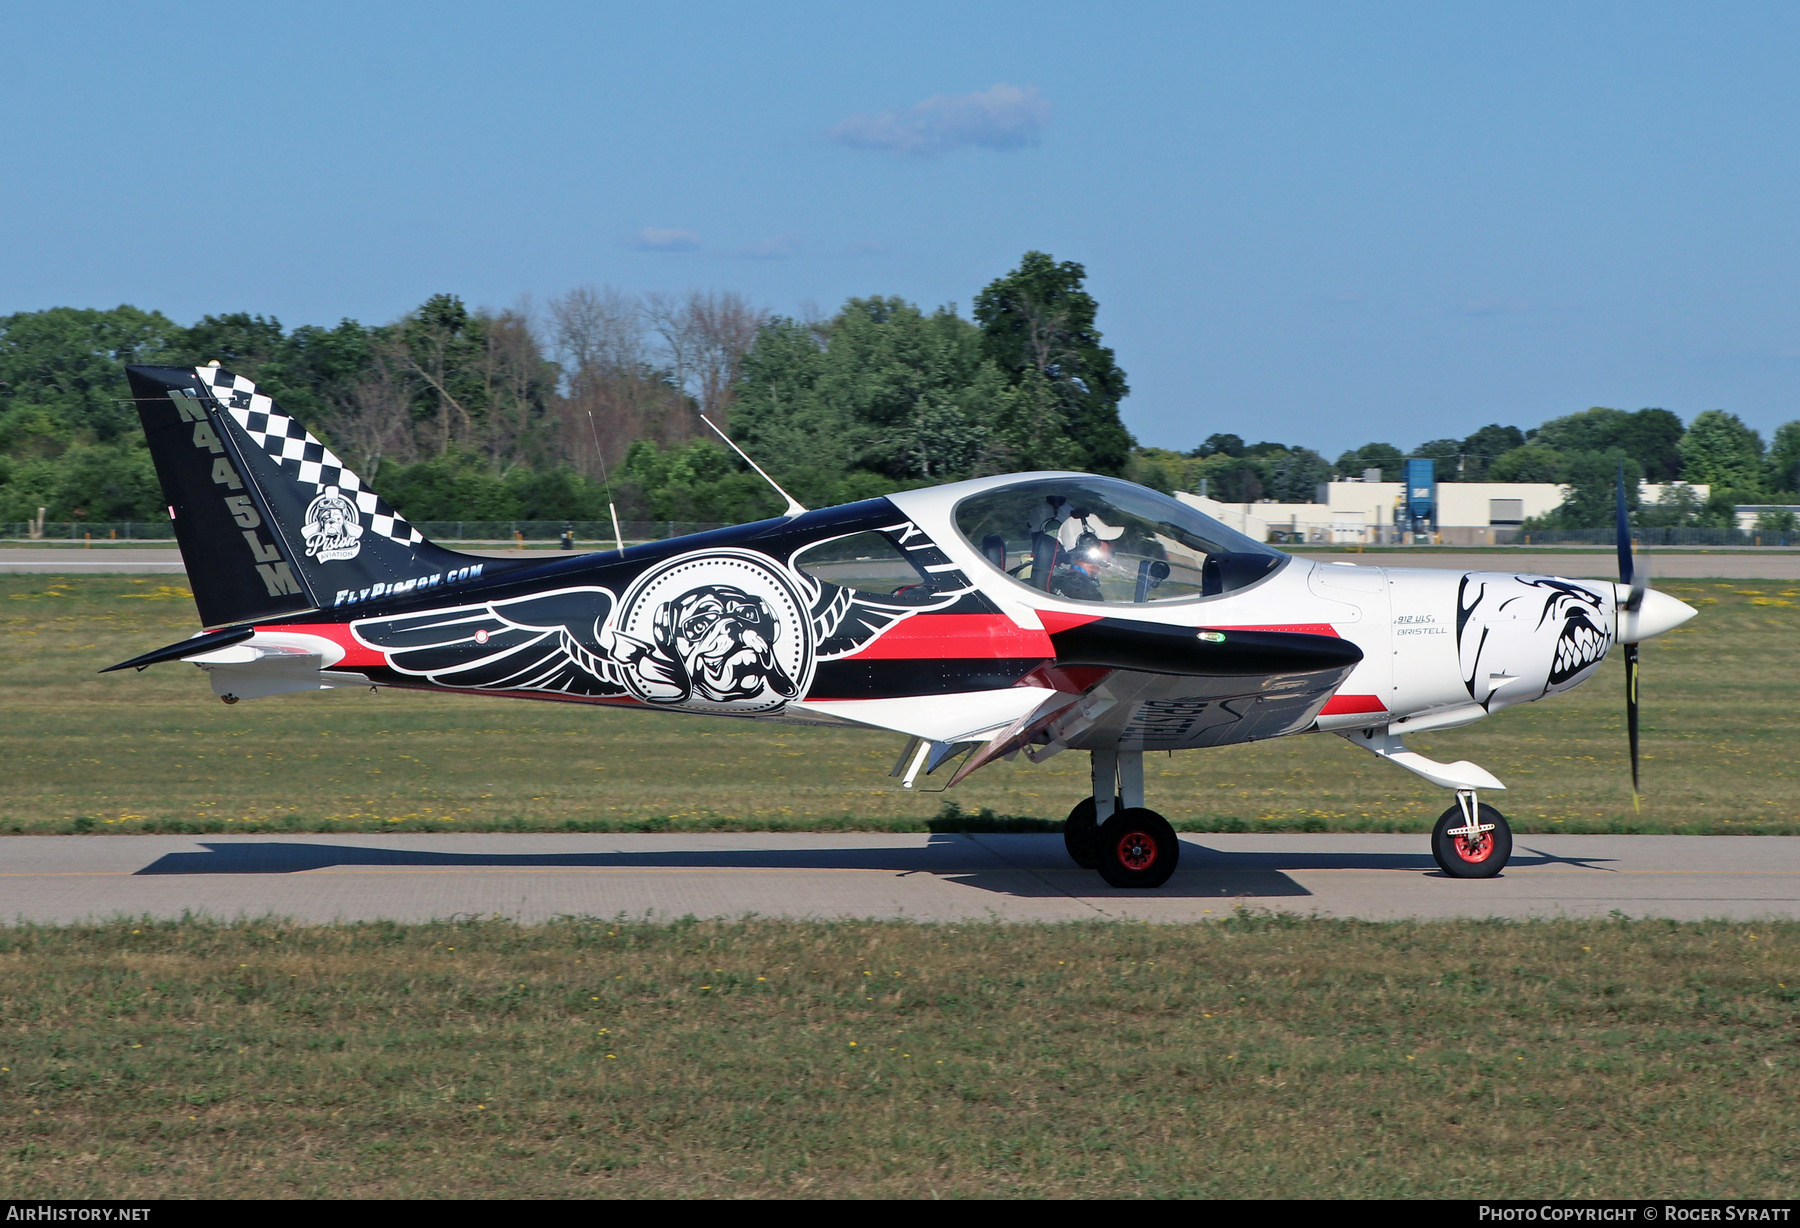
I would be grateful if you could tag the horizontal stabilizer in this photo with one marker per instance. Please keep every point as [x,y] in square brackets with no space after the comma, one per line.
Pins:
[206,641]
[249,664]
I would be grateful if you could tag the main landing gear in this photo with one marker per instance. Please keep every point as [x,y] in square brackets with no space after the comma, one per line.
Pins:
[1111,831]
[1471,840]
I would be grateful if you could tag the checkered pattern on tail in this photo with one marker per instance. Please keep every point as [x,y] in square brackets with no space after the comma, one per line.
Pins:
[299,455]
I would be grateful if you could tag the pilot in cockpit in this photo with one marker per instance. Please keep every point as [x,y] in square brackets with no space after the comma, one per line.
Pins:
[1078,544]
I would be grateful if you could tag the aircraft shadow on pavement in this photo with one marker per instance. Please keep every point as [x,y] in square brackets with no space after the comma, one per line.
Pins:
[1024,866]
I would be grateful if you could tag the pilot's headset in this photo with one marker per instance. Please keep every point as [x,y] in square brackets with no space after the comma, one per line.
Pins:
[1085,524]
[662,625]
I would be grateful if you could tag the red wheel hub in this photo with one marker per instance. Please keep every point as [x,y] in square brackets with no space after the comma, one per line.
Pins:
[1138,851]
[1474,849]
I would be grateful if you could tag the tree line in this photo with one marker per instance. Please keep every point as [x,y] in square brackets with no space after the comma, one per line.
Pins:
[1586,450]
[544,413]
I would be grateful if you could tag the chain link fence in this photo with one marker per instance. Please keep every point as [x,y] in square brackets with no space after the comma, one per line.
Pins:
[498,532]
[1302,534]
[599,534]
[1658,537]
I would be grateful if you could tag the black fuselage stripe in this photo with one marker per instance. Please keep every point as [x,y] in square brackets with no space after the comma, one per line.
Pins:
[897,679]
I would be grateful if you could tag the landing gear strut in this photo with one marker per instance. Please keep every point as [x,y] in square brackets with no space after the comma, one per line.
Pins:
[1471,840]
[1111,831]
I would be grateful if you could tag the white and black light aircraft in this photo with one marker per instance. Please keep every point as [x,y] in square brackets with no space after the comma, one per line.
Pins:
[1029,614]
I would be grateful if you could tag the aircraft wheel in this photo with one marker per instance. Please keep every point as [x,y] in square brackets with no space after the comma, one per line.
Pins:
[1081,835]
[1482,854]
[1138,848]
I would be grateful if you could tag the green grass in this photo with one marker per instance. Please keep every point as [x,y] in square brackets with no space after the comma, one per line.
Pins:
[156,752]
[1257,1056]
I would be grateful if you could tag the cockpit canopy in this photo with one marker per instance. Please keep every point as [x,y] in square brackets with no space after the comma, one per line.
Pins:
[1098,539]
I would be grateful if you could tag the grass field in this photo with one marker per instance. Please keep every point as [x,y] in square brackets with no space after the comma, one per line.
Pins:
[156,752]
[1257,1056]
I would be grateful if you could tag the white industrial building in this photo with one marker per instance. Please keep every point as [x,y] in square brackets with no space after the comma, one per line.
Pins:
[1363,513]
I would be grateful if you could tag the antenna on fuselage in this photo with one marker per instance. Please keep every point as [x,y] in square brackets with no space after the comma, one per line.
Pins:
[611,507]
[794,507]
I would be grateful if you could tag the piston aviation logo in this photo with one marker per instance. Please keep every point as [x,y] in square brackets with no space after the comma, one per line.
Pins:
[333,527]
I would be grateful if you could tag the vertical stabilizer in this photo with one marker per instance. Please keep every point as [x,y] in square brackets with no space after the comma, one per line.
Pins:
[268,519]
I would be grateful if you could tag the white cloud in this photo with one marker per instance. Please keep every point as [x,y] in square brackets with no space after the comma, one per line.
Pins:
[781,247]
[655,239]
[1003,117]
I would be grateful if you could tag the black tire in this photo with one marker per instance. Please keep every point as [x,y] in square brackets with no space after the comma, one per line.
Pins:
[1481,857]
[1138,848]
[1081,835]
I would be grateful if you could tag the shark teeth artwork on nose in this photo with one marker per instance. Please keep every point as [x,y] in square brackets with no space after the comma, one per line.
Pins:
[1536,627]
[1580,645]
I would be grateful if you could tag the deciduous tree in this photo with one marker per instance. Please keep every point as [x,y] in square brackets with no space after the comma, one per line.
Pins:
[1039,327]
[1720,451]
[1784,460]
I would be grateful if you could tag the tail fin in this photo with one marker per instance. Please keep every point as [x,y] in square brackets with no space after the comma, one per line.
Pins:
[268,520]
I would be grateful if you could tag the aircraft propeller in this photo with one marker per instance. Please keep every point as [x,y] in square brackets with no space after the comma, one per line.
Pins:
[1636,577]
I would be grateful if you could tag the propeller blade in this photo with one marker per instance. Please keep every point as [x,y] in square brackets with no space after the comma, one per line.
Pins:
[1638,578]
[1631,716]
[1626,570]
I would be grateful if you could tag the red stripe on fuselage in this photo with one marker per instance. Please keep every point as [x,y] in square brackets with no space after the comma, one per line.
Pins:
[1061,620]
[355,654]
[1291,628]
[1350,705]
[957,637]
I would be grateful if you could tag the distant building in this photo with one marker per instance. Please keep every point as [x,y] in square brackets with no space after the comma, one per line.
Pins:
[1365,513]
[1749,513]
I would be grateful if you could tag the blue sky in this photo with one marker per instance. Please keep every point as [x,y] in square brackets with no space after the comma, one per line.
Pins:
[1314,223]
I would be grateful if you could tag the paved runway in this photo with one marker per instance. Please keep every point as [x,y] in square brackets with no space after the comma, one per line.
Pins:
[922,877]
[135,560]
[1693,565]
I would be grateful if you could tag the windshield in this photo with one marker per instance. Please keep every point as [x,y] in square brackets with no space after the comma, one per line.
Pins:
[1099,539]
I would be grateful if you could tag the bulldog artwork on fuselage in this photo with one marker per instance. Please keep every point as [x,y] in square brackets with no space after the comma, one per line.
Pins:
[1026,614]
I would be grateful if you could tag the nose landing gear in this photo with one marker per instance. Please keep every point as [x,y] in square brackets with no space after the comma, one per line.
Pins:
[1471,840]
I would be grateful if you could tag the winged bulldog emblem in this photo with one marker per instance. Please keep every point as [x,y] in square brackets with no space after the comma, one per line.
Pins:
[715,631]
[722,631]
